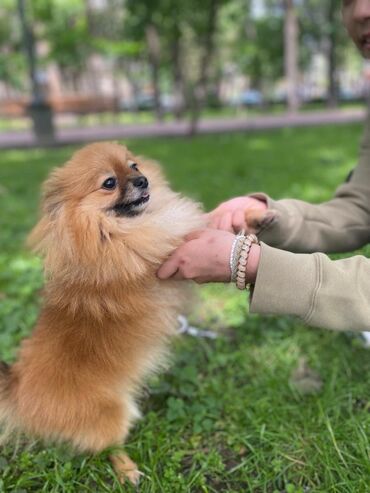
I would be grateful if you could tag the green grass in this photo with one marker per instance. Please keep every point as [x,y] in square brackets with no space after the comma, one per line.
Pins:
[224,417]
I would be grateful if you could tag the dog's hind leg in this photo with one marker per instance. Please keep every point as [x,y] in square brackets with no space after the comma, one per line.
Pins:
[125,468]
[109,427]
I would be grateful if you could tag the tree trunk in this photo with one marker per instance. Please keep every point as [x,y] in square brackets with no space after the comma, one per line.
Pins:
[116,89]
[291,55]
[200,89]
[129,70]
[153,42]
[39,110]
[332,58]
[29,47]
[178,79]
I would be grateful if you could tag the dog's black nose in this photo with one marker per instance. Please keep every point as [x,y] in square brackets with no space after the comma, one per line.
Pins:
[140,182]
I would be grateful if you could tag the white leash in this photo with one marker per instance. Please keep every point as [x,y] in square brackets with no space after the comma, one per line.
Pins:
[366,336]
[185,328]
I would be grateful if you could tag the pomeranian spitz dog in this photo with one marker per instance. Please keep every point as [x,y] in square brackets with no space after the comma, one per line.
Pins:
[108,222]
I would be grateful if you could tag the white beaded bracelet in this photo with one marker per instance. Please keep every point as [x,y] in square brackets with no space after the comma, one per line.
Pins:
[248,241]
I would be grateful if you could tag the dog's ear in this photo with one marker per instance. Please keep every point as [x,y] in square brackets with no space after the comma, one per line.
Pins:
[37,236]
[51,204]
[53,192]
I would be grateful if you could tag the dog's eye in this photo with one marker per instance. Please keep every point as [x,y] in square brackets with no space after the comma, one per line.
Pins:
[110,183]
[134,167]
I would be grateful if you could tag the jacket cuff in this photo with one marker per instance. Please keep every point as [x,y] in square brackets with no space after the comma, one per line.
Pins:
[286,283]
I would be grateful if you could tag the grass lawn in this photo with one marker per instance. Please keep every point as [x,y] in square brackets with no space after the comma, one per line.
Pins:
[224,417]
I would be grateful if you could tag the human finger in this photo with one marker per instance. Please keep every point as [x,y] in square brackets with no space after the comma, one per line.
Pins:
[226,222]
[168,268]
[238,220]
[214,221]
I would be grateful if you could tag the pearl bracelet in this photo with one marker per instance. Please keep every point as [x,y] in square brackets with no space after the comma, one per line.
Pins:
[248,241]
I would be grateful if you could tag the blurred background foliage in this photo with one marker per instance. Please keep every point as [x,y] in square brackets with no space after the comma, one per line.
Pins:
[175,59]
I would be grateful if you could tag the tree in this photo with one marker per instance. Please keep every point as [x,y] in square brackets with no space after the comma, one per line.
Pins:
[29,50]
[291,54]
[12,60]
[143,24]
[39,108]
[177,35]
[261,51]
[207,29]
[63,26]
[323,32]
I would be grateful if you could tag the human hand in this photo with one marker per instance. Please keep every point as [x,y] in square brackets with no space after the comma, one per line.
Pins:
[237,214]
[204,257]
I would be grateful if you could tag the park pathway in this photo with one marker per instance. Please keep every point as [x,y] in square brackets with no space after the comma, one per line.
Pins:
[69,136]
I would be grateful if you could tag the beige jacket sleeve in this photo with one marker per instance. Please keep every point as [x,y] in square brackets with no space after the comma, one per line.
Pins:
[323,292]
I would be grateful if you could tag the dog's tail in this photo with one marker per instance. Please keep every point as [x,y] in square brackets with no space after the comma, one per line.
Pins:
[7,408]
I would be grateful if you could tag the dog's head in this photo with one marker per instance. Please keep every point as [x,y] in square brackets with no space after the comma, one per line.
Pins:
[103,177]
[94,208]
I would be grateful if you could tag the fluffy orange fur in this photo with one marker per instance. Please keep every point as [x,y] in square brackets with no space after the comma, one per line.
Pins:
[106,318]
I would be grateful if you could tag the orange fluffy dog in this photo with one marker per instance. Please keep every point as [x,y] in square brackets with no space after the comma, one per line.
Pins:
[109,220]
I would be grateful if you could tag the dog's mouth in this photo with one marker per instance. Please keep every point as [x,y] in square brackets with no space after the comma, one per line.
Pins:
[132,208]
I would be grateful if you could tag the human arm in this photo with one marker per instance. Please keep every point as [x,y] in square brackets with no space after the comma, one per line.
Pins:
[341,224]
[204,257]
[332,294]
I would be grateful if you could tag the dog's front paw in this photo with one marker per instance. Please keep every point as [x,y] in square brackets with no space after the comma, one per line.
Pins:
[257,219]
